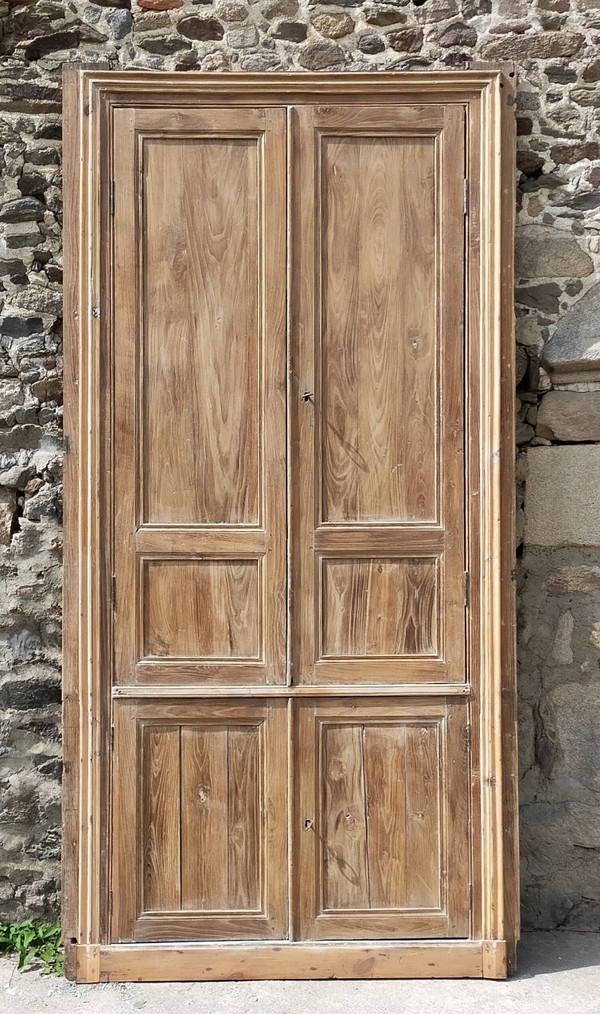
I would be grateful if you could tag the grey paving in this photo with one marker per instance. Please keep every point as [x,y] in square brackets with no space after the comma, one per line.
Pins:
[558,972]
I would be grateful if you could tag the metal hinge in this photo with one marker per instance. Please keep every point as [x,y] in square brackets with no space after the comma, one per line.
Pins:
[113,592]
[465,196]
[112,197]
[112,737]
[110,904]
[470,896]
[467,580]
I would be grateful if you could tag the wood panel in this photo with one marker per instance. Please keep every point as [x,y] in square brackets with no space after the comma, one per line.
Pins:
[201,835]
[201,357]
[204,818]
[379,607]
[199,389]
[221,802]
[377,334]
[378,328]
[388,959]
[161,817]
[202,609]
[383,843]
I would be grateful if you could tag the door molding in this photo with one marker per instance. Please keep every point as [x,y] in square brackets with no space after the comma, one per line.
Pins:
[90,98]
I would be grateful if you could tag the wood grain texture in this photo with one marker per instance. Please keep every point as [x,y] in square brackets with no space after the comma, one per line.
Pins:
[387,959]
[161,817]
[201,398]
[200,847]
[73,235]
[384,750]
[382,848]
[245,819]
[140,102]
[204,809]
[343,823]
[202,609]
[424,832]
[378,331]
[199,378]
[379,607]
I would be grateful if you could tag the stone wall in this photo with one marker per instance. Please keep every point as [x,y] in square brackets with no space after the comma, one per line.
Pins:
[555,44]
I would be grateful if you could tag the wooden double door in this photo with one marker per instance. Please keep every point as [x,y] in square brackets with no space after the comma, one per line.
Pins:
[290,697]
[289,524]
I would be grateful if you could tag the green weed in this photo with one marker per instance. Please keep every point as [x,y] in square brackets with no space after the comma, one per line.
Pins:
[30,940]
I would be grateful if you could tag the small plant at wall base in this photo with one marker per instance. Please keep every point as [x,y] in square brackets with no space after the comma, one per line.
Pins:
[31,940]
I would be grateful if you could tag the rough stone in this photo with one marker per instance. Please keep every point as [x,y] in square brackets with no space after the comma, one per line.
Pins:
[562,648]
[541,46]
[570,416]
[121,23]
[151,21]
[232,12]
[592,71]
[458,34]
[164,47]
[290,31]
[21,327]
[573,353]
[242,38]
[335,26]
[529,162]
[407,40]
[160,5]
[26,209]
[567,154]
[382,16]
[371,44]
[573,581]
[575,707]
[560,74]
[542,297]
[583,202]
[26,693]
[527,331]
[281,9]
[201,29]
[542,252]
[562,499]
[321,55]
[8,509]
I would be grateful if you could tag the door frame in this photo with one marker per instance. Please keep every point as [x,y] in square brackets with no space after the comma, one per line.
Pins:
[487,94]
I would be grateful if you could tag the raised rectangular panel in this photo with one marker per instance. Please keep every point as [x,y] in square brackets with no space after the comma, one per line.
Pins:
[202,609]
[202,830]
[381,808]
[379,328]
[379,607]
[382,838]
[201,330]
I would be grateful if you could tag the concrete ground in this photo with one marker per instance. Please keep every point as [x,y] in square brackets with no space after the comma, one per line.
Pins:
[558,972]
